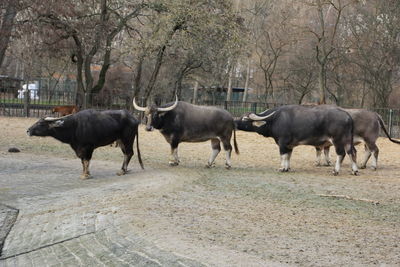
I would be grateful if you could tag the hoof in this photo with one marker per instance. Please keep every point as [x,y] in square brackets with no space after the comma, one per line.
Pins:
[363,166]
[355,173]
[228,167]
[283,170]
[85,176]
[173,163]
[209,166]
[122,172]
[335,173]
[326,164]
[373,168]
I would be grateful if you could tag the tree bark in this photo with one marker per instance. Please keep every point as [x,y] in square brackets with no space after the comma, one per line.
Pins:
[6,29]
[246,84]
[159,58]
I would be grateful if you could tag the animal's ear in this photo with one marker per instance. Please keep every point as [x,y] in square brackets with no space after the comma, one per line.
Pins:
[259,123]
[56,124]
[161,114]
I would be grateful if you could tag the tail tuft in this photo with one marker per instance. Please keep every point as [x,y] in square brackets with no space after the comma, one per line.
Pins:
[138,150]
[235,143]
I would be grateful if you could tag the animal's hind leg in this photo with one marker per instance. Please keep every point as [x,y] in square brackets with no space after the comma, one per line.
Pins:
[339,159]
[216,148]
[351,151]
[228,150]
[326,154]
[375,152]
[367,155]
[127,149]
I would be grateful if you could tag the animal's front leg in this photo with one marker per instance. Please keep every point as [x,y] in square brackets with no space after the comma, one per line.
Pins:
[285,153]
[85,172]
[318,154]
[326,153]
[85,154]
[174,161]
[285,162]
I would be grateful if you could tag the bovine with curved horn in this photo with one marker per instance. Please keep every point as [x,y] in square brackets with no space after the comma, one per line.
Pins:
[294,125]
[183,122]
[86,130]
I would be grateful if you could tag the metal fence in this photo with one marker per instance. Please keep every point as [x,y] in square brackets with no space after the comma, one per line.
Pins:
[40,103]
[391,117]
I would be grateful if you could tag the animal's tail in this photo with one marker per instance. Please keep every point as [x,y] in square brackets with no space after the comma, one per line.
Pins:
[384,129]
[234,140]
[138,150]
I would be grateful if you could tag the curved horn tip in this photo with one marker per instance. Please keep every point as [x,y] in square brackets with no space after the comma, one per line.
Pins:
[255,117]
[50,119]
[170,107]
[55,119]
[136,106]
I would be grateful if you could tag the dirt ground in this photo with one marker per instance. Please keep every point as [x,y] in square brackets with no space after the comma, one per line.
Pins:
[248,215]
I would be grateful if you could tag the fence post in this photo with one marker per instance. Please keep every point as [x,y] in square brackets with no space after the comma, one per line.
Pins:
[85,100]
[390,121]
[26,102]
[226,105]
[255,107]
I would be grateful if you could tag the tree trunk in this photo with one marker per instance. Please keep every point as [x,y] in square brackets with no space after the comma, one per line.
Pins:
[195,90]
[322,84]
[229,89]
[138,77]
[6,29]
[154,74]
[246,84]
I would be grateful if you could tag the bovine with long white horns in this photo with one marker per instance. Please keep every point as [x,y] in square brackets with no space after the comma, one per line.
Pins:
[183,122]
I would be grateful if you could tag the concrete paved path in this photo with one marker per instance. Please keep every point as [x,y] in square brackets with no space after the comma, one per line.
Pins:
[49,217]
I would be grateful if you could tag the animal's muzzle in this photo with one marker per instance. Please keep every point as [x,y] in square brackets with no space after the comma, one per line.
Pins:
[149,128]
[29,133]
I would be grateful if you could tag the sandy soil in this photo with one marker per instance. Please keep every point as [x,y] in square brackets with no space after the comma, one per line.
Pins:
[218,215]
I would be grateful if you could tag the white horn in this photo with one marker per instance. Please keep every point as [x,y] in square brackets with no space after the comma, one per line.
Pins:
[255,117]
[169,108]
[55,119]
[137,107]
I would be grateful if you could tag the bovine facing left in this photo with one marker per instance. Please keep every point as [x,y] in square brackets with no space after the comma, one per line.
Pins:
[294,125]
[88,129]
[366,130]
[183,122]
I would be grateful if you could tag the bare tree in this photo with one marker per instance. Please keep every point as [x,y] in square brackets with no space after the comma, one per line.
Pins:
[325,29]
[8,11]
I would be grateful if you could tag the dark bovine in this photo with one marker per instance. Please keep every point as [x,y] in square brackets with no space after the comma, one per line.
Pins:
[88,129]
[183,122]
[367,125]
[294,125]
